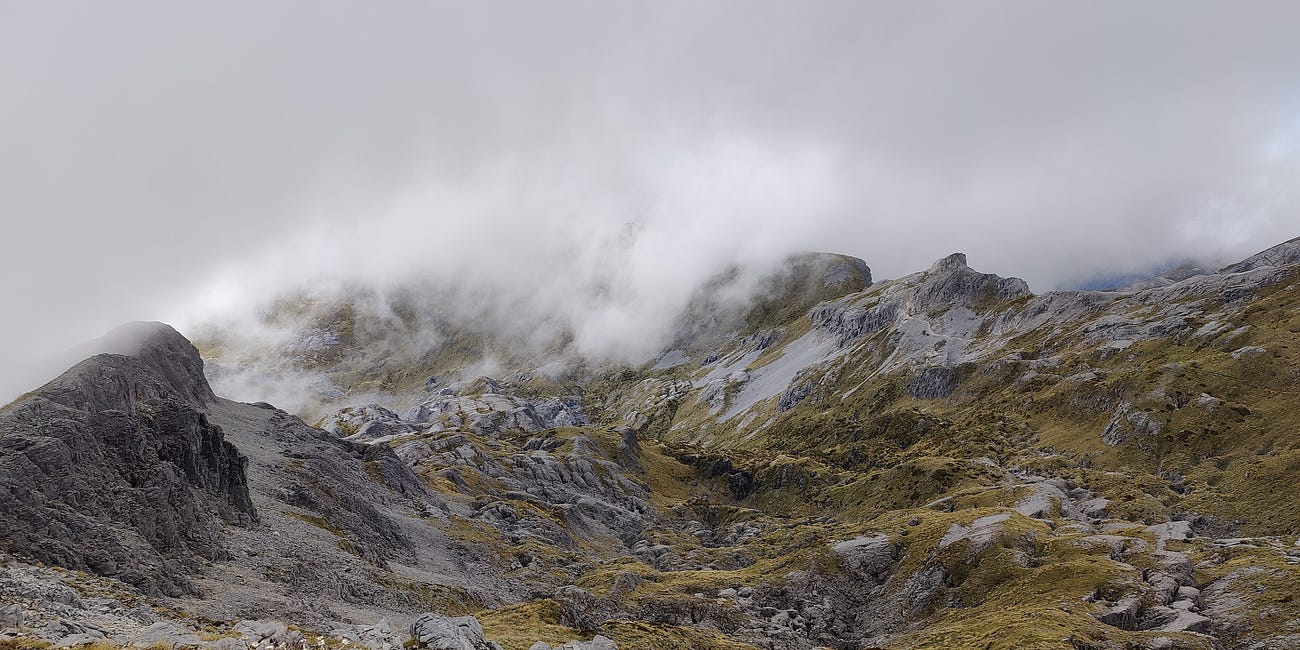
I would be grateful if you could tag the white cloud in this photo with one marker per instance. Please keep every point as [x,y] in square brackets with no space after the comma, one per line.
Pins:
[164,161]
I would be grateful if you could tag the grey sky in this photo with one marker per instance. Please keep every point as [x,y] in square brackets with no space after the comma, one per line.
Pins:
[171,160]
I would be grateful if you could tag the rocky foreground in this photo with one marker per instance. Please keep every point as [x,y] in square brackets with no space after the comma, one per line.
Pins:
[944,460]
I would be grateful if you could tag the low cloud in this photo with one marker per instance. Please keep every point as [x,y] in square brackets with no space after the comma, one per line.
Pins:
[586,165]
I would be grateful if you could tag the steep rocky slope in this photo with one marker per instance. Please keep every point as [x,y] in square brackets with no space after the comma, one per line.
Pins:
[943,460]
[115,468]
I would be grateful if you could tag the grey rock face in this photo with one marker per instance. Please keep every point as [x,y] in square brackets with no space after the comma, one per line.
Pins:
[933,383]
[273,632]
[1123,614]
[951,282]
[851,321]
[1128,423]
[1283,254]
[1249,352]
[114,468]
[370,422]
[165,634]
[11,616]
[872,555]
[596,643]
[579,608]
[379,636]
[437,632]
[487,414]
[595,495]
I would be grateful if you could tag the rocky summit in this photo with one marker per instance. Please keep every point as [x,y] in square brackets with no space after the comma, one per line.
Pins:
[941,460]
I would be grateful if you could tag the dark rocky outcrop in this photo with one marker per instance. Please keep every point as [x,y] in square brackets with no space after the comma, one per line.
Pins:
[934,382]
[113,468]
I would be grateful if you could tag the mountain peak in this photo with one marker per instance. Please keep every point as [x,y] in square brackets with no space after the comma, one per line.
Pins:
[950,263]
[162,362]
[164,349]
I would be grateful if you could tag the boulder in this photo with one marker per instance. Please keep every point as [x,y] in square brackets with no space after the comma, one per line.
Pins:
[379,636]
[1123,614]
[1249,352]
[273,632]
[438,632]
[11,616]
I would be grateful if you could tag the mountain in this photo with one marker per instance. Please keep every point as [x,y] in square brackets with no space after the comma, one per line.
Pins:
[941,460]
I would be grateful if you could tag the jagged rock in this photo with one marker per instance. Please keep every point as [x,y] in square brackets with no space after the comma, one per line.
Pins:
[1043,500]
[579,608]
[1209,402]
[932,383]
[1128,423]
[955,283]
[273,632]
[1177,565]
[1169,619]
[484,413]
[114,468]
[1123,614]
[921,590]
[872,555]
[437,632]
[74,640]
[1171,530]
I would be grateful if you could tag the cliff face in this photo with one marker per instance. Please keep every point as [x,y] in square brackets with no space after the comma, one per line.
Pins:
[113,468]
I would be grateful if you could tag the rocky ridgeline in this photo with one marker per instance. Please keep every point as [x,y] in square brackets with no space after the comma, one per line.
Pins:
[114,468]
[942,460]
[485,407]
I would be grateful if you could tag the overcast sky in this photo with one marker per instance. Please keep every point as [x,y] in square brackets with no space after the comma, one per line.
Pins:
[167,160]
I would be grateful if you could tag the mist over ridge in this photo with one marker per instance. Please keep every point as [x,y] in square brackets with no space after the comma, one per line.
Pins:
[188,164]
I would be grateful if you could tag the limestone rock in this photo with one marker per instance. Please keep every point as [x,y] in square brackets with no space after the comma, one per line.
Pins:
[1284,254]
[437,632]
[1249,352]
[273,632]
[379,636]
[872,555]
[1128,423]
[165,634]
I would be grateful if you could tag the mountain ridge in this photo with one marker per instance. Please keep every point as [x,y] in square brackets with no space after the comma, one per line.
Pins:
[939,460]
